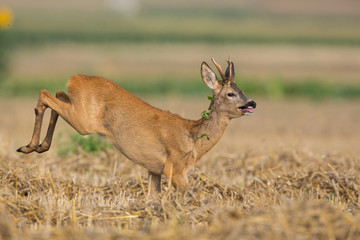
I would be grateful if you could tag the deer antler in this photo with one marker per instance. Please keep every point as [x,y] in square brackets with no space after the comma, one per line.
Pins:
[219,69]
[229,74]
[230,69]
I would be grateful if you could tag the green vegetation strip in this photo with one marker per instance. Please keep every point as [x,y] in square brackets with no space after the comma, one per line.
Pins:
[37,38]
[274,88]
[93,144]
[190,25]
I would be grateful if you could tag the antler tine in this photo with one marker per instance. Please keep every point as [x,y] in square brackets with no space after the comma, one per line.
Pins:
[230,68]
[219,69]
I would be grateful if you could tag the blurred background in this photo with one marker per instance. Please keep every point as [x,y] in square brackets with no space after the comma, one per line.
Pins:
[306,48]
[299,59]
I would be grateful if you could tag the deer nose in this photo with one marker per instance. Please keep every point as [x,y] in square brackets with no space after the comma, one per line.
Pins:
[252,104]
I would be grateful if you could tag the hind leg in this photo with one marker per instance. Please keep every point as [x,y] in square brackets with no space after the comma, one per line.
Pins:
[45,100]
[154,184]
[45,145]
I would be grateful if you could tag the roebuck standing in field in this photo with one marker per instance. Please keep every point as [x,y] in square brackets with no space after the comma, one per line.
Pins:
[162,142]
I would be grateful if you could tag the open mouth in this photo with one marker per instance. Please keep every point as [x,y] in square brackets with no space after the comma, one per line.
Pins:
[248,109]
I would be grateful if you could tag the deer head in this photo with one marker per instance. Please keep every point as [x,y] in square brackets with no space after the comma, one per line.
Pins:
[228,98]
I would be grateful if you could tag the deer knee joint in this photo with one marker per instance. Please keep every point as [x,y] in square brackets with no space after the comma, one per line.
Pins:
[39,110]
[42,93]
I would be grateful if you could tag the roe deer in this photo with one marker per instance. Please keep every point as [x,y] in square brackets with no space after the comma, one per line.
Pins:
[162,142]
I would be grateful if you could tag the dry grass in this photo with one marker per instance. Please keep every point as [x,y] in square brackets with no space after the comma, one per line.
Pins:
[282,195]
[285,190]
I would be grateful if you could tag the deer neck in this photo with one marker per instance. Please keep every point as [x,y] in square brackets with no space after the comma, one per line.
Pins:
[207,132]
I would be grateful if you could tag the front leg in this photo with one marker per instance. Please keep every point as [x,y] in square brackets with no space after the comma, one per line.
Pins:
[154,184]
[177,174]
[180,182]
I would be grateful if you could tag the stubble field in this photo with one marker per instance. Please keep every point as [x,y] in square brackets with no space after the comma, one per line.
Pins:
[291,171]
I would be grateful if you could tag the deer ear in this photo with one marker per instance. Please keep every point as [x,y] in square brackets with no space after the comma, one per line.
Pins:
[209,77]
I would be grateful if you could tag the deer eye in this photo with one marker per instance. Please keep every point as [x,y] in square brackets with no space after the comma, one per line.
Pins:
[231,95]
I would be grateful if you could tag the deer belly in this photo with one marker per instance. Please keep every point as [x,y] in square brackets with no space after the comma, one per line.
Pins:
[150,158]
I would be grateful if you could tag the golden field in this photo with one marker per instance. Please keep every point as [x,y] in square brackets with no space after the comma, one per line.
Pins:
[291,171]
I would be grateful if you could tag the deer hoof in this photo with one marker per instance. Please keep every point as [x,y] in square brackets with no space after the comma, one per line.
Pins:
[25,149]
[42,148]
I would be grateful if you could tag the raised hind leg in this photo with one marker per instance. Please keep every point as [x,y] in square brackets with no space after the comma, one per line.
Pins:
[45,100]
[45,145]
